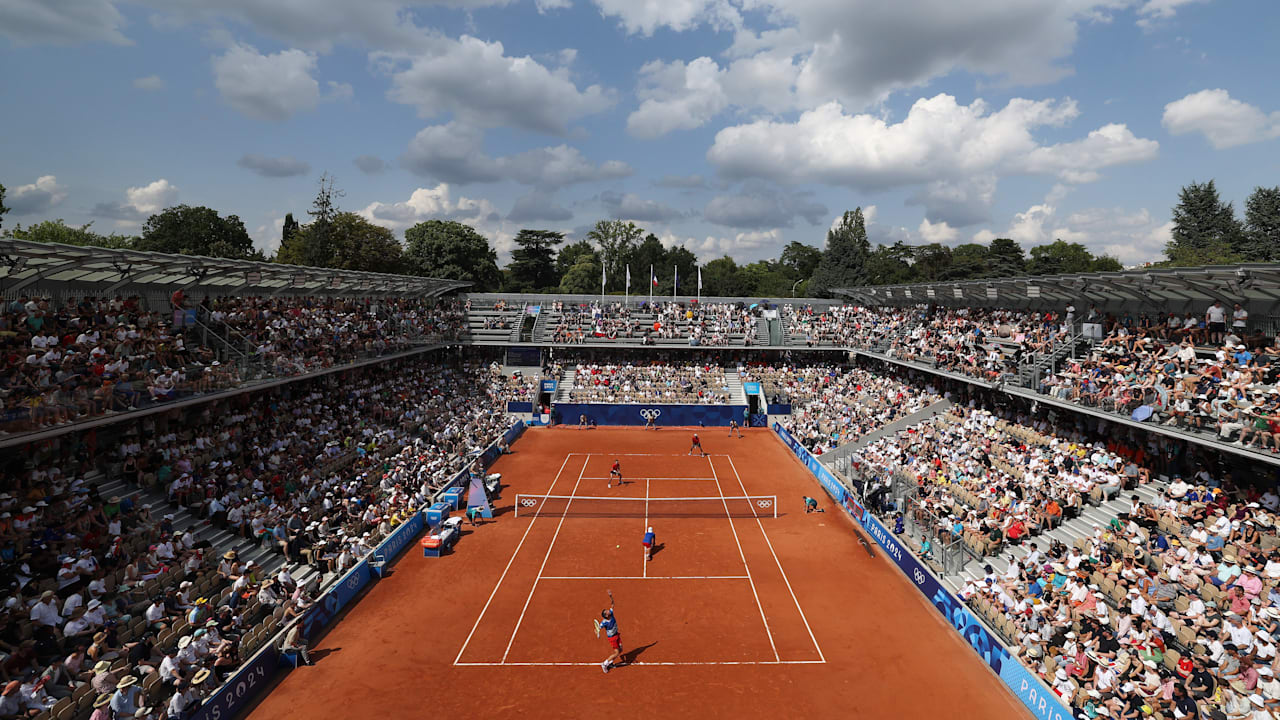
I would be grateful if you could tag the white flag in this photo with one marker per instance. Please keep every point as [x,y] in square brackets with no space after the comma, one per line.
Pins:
[628,278]
[602,278]
[699,279]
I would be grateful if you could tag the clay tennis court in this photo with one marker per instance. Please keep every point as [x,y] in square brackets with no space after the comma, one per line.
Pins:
[739,613]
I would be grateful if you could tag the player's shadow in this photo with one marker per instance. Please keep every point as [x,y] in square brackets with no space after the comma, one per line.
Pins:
[657,548]
[633,654]
[318,655]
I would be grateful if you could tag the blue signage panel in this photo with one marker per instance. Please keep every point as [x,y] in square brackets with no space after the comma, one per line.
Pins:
[243,688]
[751,388]
[549,386]
[667,415]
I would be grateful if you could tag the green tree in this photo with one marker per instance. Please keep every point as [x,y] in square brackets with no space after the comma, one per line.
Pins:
[800,259]
[932,262]
[616,239]
[187,230]
[1218,252]
[583,278]
[890,264]
[844,260]
[533,265]
[720,278]
[686,263]
[449,249]
[56,231]
[1060,257]
[3,209]
[968,261]
[1261,225]
[649,253]
[1106,263]
[289,229]
[315,248]
[570,254]
[1201,220]
[354,244]
[767,278]
[1005,258]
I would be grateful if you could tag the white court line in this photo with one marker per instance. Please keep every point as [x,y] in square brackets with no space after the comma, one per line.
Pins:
[649,478]
[646,577]
[644,552]
[545,558]
[508,567]
[641,662]
[649,455]
[779,562]
[743,555]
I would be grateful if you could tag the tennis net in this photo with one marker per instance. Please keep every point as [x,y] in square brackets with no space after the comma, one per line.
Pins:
[747,506]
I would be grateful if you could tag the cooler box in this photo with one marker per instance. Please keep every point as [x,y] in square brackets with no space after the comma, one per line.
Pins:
[437,513]
[453,498]
[431,546]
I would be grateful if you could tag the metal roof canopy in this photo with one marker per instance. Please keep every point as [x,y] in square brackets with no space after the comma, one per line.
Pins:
[101,271]
[1255,286]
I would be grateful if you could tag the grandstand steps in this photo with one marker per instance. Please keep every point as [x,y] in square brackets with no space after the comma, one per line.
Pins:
[1067,533]
[737,394]
[889,430]
[762,331]
[220,540]
[540,327]
[564,389]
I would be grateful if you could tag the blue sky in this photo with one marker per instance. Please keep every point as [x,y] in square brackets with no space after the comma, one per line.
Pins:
[727,126]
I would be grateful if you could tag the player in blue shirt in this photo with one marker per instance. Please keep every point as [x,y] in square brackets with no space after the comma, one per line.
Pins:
[609,624]
[648,544]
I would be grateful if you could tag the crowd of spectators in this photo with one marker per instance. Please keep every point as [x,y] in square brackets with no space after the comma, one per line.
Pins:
[677,383]
[92,356]
[833,405]
[699,324]
[110,605]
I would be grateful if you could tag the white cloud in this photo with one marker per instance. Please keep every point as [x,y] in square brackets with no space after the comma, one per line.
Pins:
[939,232]
[644,16]
[939,139]
[266,237]
[140,203]
[629,206]
[680,96]
[1225,121]
[454,152]
[433,203]
[266,87]
[539,206]
[38,197]
[1153,11]
[742,247]
[151,83]
[545,6]
[1132,237]
[64,22]
[479,84]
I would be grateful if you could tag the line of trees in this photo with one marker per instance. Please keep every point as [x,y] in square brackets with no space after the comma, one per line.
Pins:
[1205,231]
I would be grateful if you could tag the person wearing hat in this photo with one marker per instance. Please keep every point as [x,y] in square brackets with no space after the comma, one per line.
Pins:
[11,701]
[124,701]
[101,708]
[183,700]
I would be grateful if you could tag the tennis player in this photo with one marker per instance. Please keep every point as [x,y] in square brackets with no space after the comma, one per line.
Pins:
[650,423]
[609,624]
[733,429]
[648,544]
[811,505]
[582,422]
[697,443]
[615,472]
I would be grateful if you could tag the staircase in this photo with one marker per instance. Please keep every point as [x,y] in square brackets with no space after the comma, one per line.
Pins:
[565,387]
[737,394]
[539,333]
[270,560]
[838,459]
[1066,533]
[763,336]
[1029,373]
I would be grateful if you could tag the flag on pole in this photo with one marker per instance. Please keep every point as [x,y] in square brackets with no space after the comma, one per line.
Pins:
[603,279]
[652,277]
[675,283]
[628,279]
[699,279]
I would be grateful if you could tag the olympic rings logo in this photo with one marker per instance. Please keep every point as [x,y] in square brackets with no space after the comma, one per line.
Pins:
[919,576]
[528,502]
[650,413]
[764,503]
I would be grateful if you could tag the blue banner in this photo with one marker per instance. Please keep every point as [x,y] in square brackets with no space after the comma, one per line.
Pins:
[665,415]
[332,602]
[514,406]
[399,539]
[779,408]
[243,688]
[1034,694]
[549,386]
[751,388]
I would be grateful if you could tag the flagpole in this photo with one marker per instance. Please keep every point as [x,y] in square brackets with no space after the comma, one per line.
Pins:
[699,285]
[603,277]
[675,283]
[652,279]
[626,292]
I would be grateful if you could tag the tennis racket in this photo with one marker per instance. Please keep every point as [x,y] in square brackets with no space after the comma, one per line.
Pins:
[597,624]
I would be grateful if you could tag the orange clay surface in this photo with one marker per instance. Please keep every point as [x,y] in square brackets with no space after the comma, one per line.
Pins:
[781,617]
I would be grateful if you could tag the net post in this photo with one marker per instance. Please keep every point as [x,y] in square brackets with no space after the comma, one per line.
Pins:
[775,506]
